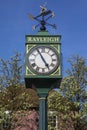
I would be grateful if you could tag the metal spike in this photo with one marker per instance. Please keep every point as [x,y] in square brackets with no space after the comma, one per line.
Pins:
[33,27]
[53,14]
[31,16]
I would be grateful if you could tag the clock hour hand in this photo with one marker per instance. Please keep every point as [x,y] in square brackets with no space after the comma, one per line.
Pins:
[46,64]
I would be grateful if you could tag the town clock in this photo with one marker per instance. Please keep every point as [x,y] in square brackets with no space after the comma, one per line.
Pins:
[43,62]
[43,66]
[43,59]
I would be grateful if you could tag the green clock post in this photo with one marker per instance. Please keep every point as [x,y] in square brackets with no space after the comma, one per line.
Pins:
[43,67]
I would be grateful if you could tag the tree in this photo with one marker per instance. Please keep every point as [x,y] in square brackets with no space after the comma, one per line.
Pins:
[70,101]
[73,88]
[10,75]
[14,96]
[11,71]
[60,105]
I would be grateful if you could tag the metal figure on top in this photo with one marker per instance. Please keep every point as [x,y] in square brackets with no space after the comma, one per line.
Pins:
[42,18]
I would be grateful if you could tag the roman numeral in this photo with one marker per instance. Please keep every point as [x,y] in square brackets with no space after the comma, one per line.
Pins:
[53,59]
[43,50]
[37,69]
[52,54]
[33,54]
[43,70]
[32,60]
[33,65]
[52,65]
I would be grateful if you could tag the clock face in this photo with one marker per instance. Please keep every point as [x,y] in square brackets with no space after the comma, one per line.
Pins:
[43,59]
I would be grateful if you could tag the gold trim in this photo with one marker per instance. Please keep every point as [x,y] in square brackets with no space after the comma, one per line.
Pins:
[43,98]
[56,48]
[27,69]
[30,47]
[58,70]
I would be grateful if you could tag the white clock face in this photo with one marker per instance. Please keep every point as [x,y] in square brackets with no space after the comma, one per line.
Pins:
[43,59]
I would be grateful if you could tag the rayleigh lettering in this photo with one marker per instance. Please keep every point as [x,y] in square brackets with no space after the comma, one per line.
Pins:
[42,39]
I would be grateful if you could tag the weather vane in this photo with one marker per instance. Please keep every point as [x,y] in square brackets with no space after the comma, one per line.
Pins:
[42,18]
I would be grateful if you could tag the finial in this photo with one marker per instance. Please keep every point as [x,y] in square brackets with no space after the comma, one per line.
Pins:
[44,12]
[43,8]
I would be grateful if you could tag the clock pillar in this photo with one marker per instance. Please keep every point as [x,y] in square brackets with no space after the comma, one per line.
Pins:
[47,76]
[43,93]
[42,76]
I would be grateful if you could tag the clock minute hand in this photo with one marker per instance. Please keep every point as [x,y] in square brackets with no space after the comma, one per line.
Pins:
[43,59]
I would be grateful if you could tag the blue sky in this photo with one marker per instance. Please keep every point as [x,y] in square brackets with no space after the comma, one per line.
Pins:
[70,18]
